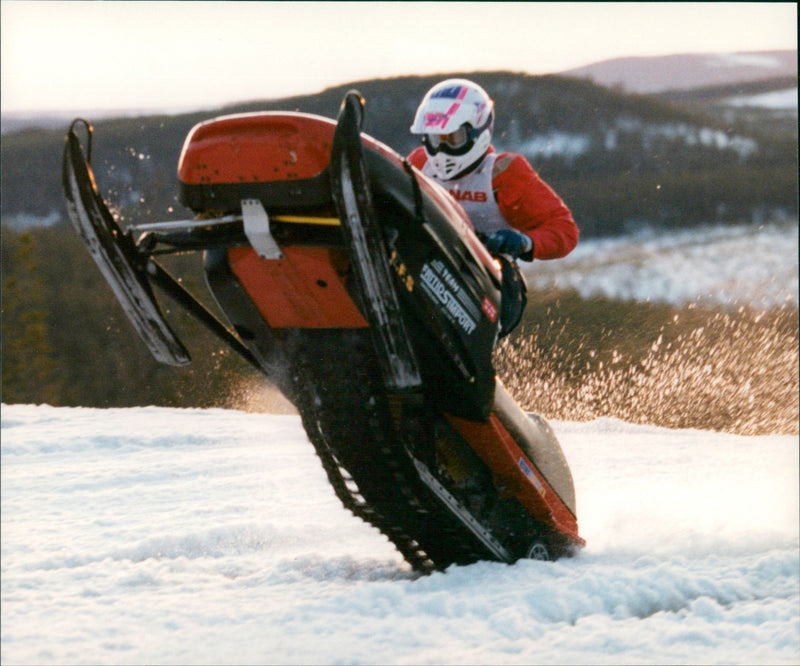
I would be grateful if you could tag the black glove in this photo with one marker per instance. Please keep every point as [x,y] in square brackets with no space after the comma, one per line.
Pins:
[509,241]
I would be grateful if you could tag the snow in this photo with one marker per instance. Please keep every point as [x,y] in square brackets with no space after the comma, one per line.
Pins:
[762,60]
[549,144]
[571,145]
[154,535]
[654,133]
[23,221]
[747,263]
[776,100]
[166,536]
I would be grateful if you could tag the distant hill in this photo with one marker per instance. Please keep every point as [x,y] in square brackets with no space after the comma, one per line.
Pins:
[618,159]
[686,71]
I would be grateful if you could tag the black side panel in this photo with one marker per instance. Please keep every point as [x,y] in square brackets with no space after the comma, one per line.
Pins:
[114,252]
[442,288]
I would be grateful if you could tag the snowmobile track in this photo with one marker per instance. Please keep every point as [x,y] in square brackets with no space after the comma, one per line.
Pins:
[347,417]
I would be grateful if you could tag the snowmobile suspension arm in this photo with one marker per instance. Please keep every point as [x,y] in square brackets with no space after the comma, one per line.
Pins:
[188,225]
[200,234]
[162,278]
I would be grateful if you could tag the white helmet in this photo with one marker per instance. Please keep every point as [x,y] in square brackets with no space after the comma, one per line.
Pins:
[455,119]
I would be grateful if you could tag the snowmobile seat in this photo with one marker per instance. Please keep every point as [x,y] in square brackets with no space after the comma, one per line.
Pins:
[279,159]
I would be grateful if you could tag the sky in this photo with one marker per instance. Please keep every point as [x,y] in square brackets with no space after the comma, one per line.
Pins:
[177,55]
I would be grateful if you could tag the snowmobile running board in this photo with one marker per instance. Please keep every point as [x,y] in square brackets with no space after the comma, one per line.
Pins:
[469,521]
[128,270]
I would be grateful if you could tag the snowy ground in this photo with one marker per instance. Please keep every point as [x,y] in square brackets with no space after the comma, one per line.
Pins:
[160,536]
[754,264]
[777,100]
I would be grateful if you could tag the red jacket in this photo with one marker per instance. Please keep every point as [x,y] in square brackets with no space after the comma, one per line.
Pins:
[528,204]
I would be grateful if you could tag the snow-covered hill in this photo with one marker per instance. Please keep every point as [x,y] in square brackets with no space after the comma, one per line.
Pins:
[755,264]
[209,536]
[779,100]
[686,71]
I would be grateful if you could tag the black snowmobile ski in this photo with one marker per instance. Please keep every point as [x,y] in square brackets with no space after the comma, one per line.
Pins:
[129,269]
[114,252]
[364,242]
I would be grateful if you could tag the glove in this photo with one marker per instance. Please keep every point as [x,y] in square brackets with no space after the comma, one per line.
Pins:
[509,241]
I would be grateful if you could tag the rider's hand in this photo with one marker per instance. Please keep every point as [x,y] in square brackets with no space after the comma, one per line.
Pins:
[509,241]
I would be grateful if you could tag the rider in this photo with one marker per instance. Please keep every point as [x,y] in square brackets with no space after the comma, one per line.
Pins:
[507,202]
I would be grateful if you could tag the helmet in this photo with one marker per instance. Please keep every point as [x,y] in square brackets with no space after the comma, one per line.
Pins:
[455,119]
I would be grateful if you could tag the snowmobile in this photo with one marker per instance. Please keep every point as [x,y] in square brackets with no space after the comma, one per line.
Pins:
[358,287]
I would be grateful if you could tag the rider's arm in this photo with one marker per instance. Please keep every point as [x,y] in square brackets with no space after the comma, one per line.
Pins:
[531,206]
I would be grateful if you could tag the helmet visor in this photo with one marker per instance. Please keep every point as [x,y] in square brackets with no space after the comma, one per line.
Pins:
[455,140]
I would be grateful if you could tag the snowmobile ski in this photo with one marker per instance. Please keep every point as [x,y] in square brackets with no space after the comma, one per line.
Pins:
[114,252]
[364,242]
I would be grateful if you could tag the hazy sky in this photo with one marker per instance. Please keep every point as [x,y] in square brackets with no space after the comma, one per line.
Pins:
[169,55]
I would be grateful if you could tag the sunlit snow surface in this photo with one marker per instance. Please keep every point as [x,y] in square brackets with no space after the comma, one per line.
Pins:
[157,535]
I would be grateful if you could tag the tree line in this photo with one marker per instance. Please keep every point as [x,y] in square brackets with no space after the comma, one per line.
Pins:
[135,159]
[66,340]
